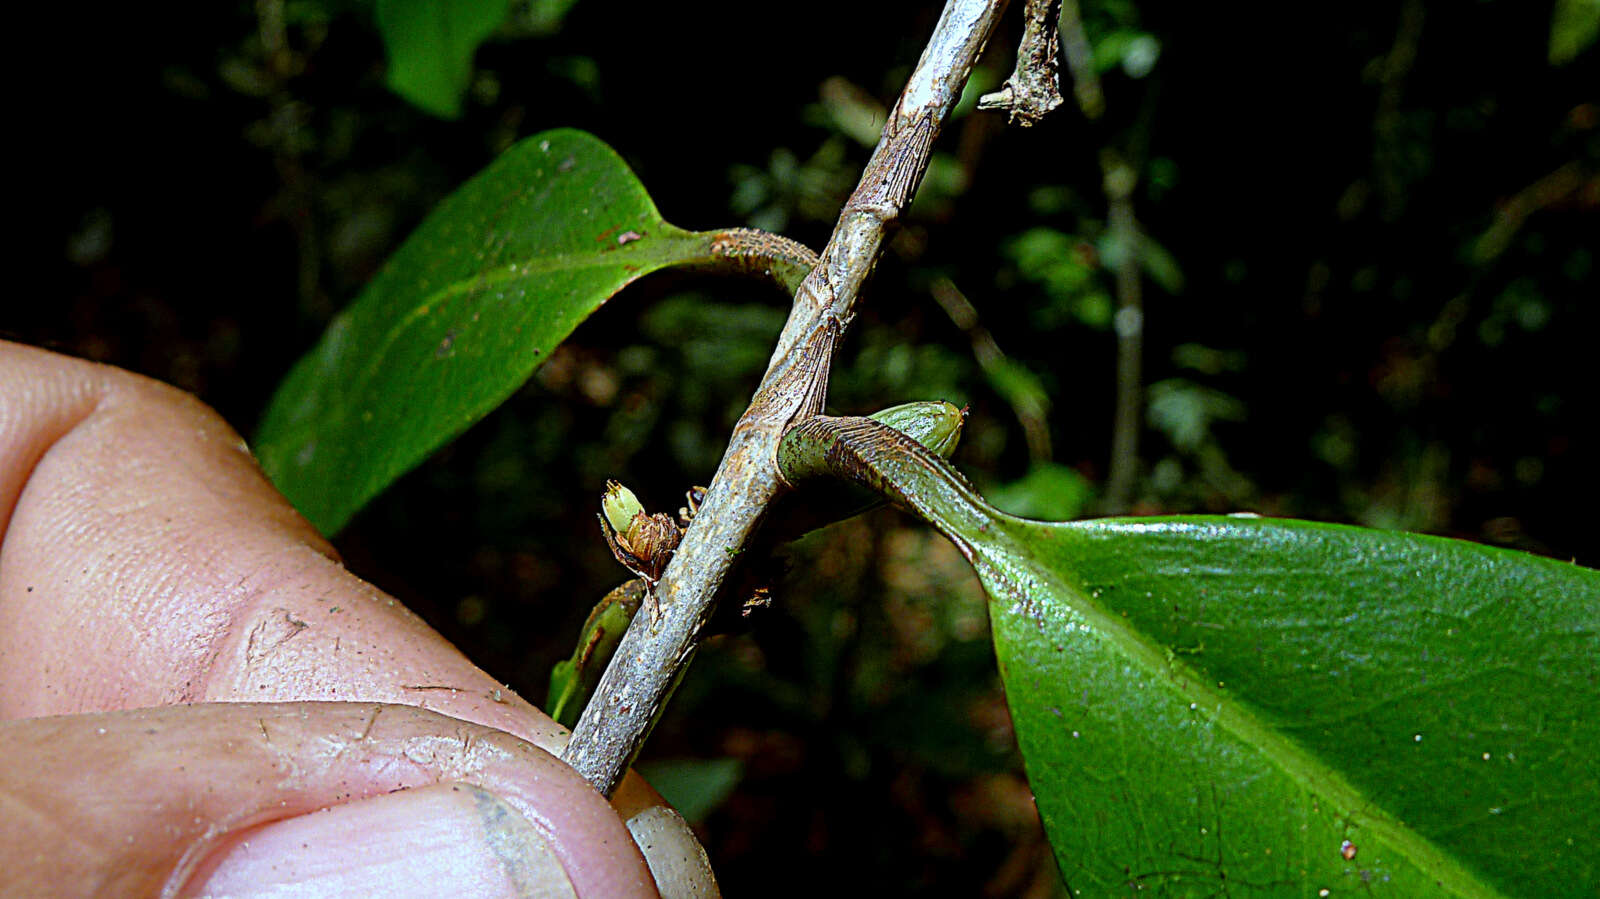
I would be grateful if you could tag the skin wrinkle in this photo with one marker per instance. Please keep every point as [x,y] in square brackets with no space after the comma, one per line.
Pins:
[89,489]
[41,822]
[27,434]
[468,755]
[287,630]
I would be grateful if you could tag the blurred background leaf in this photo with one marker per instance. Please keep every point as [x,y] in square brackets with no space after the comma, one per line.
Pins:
[695,787]
[431,44]
[1573,27]
[1048,492]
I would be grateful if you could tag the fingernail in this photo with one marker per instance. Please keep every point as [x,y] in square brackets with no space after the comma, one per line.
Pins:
[676,859]
[447,839]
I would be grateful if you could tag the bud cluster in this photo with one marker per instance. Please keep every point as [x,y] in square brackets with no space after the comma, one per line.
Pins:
[642,542]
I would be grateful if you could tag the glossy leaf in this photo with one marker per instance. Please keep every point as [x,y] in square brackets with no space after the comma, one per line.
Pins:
[430,45]
[1213,703]
[1221,705]
[489,284]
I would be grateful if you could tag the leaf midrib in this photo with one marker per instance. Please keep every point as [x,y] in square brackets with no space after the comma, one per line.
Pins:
[1230,713]
[488,278]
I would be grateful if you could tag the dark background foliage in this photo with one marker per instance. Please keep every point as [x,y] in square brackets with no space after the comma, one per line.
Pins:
[1370,292]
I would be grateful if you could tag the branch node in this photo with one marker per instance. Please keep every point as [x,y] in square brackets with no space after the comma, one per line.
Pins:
[1034,88]
[652,655]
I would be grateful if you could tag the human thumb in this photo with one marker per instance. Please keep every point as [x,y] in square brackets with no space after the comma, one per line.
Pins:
[299,799]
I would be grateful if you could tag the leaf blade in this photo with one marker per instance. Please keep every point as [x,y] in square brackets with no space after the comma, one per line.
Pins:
[1176,680]
[1256,708]
[431,43]
[492,281]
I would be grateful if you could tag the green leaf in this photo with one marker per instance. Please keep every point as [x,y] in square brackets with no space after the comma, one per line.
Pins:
[1230,704]
[695,787]
[1160,265]
[572,680]
[1574,25]
[1048,490]
[1153,258]
[1062,264]
[475,300]
[431,43]
[543,17]
[1185,411]
[1135,51]
[1020,388]
[1208,703]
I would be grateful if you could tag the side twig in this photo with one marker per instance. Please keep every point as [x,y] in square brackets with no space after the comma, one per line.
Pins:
[1034,88]
[653,654]
[1080,61]
[1030,404]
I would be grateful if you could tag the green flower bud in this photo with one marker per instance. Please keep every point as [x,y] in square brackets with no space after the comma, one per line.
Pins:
[934,424]
[619,506]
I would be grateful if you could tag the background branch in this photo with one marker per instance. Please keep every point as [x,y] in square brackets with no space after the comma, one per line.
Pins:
[1031,407]
[1080,61]
[1120,179]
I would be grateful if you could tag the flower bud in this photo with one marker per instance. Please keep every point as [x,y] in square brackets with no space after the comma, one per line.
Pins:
[934,424]
[620,506]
